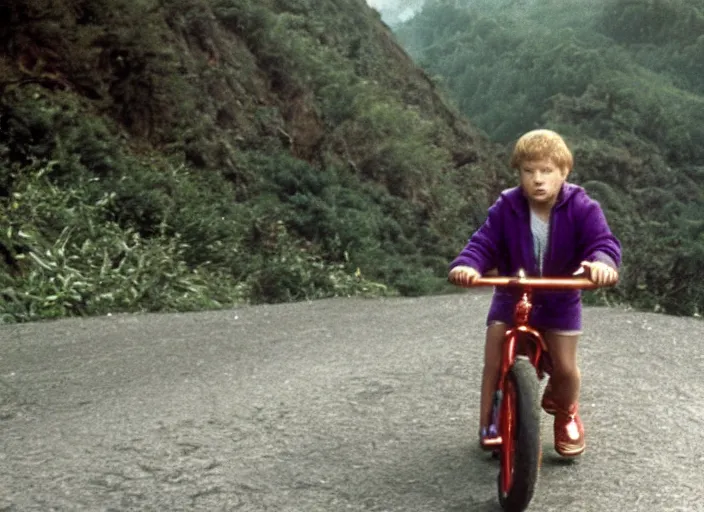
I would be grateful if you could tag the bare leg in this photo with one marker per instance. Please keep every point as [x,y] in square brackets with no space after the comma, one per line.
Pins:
[492,366]
[566,377]
[565,383]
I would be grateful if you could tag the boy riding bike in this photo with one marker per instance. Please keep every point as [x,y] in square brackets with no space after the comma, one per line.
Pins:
[549,228]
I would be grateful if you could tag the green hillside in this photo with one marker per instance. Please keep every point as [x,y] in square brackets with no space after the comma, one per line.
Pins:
[162,155]
[623,81]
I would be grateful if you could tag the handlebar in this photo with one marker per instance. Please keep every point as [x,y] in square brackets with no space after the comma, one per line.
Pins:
[552,283]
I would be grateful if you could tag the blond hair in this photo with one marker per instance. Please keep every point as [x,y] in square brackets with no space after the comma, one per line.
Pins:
[539,145]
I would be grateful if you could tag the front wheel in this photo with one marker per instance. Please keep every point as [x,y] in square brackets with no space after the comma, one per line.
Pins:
[521,450]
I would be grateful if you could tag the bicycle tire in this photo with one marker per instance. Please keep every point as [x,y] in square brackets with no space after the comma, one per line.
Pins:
[528,447]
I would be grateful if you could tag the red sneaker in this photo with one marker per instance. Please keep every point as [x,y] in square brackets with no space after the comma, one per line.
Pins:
[569,432]
[547,403]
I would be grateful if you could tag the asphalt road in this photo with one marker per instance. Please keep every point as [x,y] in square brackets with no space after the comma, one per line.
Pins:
[359,405]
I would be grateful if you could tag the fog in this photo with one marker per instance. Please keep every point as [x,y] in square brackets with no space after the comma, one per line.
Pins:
[393,5]
[395,11]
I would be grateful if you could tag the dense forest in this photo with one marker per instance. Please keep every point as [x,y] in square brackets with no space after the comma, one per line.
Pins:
[165,155]
[623,80]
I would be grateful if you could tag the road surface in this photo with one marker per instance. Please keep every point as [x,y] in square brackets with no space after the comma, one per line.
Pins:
[334,405]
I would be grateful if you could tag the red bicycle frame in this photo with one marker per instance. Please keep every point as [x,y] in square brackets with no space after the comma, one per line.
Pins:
[534,347]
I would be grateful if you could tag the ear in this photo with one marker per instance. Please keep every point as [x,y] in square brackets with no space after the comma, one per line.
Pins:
[565,171]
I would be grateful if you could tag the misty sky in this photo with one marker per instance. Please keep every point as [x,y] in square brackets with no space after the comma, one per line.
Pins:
[396,10]
[382,4]
[394,5]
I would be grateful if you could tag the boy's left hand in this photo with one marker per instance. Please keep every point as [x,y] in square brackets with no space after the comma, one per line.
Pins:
[599,273]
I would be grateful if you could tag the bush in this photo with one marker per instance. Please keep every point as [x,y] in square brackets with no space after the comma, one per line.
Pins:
[72,260]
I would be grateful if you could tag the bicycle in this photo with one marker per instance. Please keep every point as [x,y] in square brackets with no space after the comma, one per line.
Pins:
[516,408]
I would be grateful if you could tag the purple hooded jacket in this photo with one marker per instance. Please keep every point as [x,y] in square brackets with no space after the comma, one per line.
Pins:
[578,232]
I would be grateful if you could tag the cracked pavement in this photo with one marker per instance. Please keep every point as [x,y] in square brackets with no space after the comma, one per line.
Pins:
[344,404]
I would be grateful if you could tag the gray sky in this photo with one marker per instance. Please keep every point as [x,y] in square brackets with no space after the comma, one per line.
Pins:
[383,4]
[396,10]
[395,5]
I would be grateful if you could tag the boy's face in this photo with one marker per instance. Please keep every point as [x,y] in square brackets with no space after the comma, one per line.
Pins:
[541,181]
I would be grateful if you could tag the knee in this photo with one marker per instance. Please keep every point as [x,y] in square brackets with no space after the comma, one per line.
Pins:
[566,371]
[493,346]
[492,365]
[492,360]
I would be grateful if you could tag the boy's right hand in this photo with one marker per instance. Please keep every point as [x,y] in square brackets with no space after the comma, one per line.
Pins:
[463,275]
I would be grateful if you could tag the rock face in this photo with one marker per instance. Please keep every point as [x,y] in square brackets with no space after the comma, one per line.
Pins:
[208,77]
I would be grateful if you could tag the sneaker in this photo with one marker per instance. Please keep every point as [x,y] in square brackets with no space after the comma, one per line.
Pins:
[547,403]
[569,432]
[489,438]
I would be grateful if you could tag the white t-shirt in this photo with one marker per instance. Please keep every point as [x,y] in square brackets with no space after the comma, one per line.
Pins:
[539,229]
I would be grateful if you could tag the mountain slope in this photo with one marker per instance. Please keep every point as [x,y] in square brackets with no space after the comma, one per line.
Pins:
[622,81]
[180,154]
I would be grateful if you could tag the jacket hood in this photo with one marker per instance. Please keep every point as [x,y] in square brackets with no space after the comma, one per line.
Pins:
[514,196]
